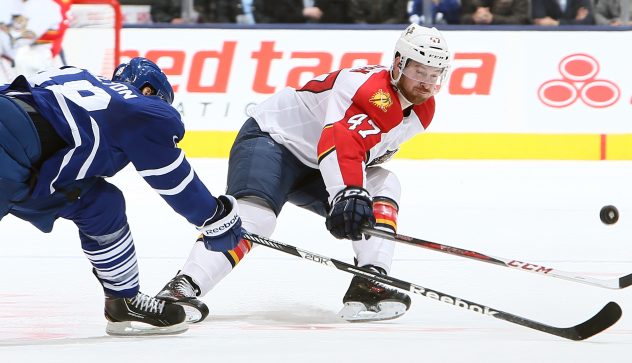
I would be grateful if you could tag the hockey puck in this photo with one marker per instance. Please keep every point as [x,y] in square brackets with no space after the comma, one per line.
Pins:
[609,214]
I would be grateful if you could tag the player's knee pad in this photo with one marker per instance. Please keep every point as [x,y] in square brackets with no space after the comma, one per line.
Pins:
[100,211]
[256,217]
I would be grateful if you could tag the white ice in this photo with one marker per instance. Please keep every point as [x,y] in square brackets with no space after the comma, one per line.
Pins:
[278,308]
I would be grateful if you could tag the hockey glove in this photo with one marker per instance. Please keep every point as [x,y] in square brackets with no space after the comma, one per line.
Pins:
[223,231]
[351,210]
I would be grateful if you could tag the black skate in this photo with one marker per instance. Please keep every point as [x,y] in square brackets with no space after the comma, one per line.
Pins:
[143,315]
[368,300]
[182,291]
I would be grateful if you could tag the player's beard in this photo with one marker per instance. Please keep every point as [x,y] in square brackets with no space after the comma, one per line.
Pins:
[416,94]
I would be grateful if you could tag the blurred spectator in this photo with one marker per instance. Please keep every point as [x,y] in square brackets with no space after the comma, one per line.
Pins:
[220,11]
[247,17]
[378,11]
[608,12]
[485,12]
[564,12]
[328,11]
[279,11]
[136,11]
[167,11]
[24,41]
[203,11]
[443,11]
[136,2]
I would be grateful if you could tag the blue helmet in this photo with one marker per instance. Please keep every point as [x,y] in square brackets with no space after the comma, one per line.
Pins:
[141,72]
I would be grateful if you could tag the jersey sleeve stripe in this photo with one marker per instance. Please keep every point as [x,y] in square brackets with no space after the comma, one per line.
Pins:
[326,144]
[97,140]
[324,154]
[180,187]
[75,136]
[164,170]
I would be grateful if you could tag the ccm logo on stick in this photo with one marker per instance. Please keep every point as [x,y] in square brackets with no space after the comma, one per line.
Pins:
[530,266]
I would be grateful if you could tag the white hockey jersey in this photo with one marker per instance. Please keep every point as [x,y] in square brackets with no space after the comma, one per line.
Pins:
[342,122]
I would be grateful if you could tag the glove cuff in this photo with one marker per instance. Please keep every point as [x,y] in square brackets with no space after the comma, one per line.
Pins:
[352,192]
[226,206]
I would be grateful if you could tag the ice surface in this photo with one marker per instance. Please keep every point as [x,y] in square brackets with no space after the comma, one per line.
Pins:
[278,308]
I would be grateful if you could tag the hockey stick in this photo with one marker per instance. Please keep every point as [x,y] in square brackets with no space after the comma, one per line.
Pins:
[604,319]
[619,283]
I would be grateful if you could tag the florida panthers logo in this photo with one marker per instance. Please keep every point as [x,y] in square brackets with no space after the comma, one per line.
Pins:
[388,155]
[382,100]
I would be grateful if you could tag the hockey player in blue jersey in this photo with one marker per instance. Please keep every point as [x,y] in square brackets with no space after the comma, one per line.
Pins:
[62,131]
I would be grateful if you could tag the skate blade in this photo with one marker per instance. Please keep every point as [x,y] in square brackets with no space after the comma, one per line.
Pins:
[194,309]
[135,329]
[194,315]
[357,312]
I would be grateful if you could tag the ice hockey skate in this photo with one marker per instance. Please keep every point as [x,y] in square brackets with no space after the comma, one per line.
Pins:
[143,315]
[367,300]
[182,291]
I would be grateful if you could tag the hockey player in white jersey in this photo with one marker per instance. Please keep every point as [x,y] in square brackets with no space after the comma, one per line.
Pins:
[33,34]
[320,147]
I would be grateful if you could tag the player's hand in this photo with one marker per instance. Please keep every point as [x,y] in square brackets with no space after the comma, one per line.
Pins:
[582,13]
[351,210]
[223,231]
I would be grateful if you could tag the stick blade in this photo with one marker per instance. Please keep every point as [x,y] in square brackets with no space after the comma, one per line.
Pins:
[625,281]
[604,319]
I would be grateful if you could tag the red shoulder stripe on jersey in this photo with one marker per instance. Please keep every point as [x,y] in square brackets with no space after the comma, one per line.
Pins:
[317,86]
[324,154]
[326,145]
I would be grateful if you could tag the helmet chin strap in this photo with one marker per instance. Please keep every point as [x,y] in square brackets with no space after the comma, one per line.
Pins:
[394,82]
[401,71]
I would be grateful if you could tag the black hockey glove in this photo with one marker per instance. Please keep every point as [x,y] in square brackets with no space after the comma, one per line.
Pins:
[223,231]
[351,210]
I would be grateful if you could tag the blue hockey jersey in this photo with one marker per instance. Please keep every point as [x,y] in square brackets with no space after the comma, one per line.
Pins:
[107,125]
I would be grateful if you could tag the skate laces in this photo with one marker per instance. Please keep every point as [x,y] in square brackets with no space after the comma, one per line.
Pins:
[147,303]
[182,286]
[373,285]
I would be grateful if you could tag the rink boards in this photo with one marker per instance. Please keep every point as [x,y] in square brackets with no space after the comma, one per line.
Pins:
[510,94]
